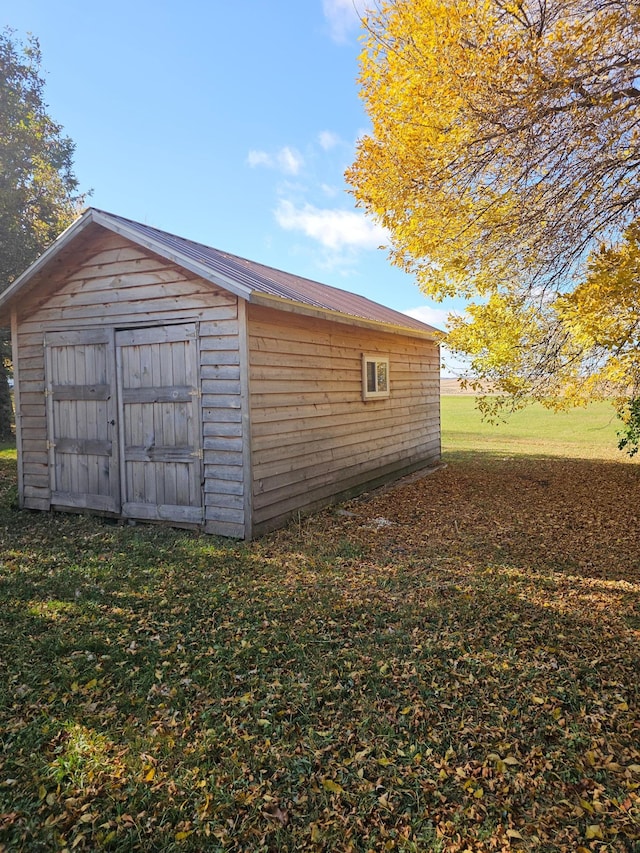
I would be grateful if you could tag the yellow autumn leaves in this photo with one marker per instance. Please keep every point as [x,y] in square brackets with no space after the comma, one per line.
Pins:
[504,150]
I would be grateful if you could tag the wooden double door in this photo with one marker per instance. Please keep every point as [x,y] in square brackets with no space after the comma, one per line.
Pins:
[123,419]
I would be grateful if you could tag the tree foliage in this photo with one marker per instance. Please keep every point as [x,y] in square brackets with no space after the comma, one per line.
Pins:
[603,314]
[505,150]
[38,188]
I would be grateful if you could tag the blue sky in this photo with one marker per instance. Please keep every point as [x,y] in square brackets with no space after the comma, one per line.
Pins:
[230,122]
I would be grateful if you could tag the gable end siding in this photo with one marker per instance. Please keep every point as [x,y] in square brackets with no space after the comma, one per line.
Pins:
[122,286]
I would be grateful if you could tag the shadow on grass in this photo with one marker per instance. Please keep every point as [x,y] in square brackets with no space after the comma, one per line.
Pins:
[528,450]
[541,512]
[433,683]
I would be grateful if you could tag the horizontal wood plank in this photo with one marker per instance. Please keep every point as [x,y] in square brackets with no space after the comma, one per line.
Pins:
[221,401]
[166,334]
[222,429]
[215,527]
[79,337]
[80,392]
[224,500]
[220,356]
[81,501]
[168,394]
[42,504]
[163,512]
[227,514]
[213,470]
[221,414]
[37,492]
[218,328]
[220,371]
[222,443]
[89,447]
[222,458]
[158,453]
[213,485]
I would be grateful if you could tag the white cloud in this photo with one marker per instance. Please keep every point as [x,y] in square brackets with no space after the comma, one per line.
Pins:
[343,16]
[290,161]
[330,191]
[328,139]
[259,158]
[427,314]
[333,228]
[286,160]
[453,365]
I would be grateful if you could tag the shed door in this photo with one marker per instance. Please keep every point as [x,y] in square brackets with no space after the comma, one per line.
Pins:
[161,469]
[81,404]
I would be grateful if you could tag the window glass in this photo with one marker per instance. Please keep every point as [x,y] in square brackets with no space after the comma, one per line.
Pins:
[371,376]
[382,376]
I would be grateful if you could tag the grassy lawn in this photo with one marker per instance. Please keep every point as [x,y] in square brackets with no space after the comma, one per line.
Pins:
[450,665]
[585,433]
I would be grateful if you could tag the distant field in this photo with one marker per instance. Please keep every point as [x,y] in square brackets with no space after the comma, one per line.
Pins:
[452,386]
[579,433]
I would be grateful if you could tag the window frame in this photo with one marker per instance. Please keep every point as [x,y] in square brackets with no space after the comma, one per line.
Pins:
[376,359]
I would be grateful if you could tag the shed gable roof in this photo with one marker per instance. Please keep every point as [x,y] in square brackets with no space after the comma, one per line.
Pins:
[247,279]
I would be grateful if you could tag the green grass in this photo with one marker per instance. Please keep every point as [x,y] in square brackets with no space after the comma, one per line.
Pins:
[589,433]
[461,677]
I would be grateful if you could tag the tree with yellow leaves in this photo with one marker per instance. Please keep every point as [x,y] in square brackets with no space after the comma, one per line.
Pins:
[505,151]
[603,314]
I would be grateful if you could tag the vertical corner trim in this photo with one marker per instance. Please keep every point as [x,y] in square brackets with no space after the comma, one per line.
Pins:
[16,404]
[245,402]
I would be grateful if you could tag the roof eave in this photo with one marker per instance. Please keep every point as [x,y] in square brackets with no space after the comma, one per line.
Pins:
[54,249]
[175,257]
[282,304]
[93,216]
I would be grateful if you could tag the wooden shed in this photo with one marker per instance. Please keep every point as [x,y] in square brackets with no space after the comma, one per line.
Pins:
[159,379]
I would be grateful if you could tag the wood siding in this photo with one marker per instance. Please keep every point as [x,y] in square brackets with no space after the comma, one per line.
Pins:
[148,392]
[313,438]
[109,282]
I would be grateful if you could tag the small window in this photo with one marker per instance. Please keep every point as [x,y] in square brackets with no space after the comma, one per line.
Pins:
[375,377]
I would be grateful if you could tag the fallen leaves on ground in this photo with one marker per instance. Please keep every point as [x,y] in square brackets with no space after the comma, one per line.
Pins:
[463,677]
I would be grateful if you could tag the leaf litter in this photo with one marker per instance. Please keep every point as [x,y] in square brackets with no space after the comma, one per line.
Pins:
[463,678]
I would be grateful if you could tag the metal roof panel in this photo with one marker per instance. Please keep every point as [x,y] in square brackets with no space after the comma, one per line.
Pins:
[274,282]
[244,276]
